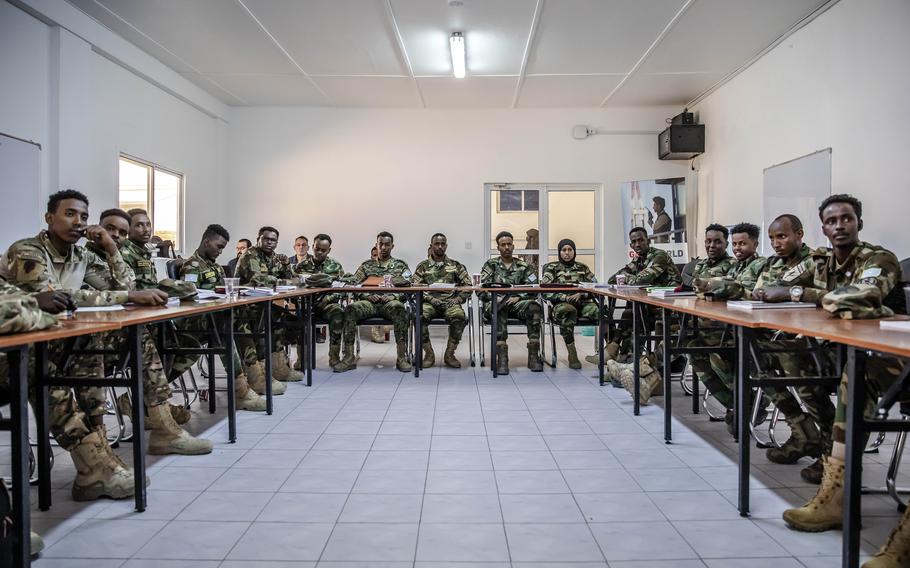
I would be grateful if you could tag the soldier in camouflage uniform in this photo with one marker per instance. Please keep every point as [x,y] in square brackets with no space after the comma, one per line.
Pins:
[261,266]
[851,280]
[810,431]
[52,261]
[651,267]
[448,305]
[506,269]
[388,306]
[567,308]
[202,270]
[328,306]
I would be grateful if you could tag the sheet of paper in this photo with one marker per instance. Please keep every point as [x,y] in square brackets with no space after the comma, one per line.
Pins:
[91,309]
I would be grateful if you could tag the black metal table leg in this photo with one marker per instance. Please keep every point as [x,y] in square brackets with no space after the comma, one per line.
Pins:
[231,373]
[43,428]
[743,402]
[636,360]
[134,337]
[18,381]
[853,474]
[267,338]
[308,308]
[600,337]
[494,313]
[418,325]
[668,399]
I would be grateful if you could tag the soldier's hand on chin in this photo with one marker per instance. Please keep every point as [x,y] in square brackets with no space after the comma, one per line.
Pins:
[53,302]
[148,297]
[99,236]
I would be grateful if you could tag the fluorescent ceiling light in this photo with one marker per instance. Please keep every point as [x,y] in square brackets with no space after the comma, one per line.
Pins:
[456,43]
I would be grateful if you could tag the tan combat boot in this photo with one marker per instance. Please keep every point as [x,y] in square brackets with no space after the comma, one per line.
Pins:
[534,362]
[282,371]
[502,358]
[896,551]
[245,397]
[180,413]
[255,375]
[167,437]
[98,474]
[402,363]
[449,358]
[348,361]
[648,378]
[804,441]
[611,352]
[574,363]
[826,510]
[36,543]
[429,356]
[334,354]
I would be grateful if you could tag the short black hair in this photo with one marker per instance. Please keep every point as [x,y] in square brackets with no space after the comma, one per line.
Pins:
[719,228]
[842,198]
[438,235]
[115,212]
[795,222]
[384,234]
[752,230]
[248,242]
[301,237]
[661,200]
[638,229]
[214,230]
[54,200]
[503,234]
[322,237]
[267,228]
[138,211]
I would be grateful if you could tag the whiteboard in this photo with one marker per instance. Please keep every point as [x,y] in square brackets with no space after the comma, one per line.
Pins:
[20,190]
[798,187]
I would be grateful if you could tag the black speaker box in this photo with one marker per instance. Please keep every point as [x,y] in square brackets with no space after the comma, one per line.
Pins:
[681,142]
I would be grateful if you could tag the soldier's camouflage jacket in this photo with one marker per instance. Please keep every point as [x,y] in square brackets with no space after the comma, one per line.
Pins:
[139,259]
[19,311]
[559,273]
[738,283]
[330,267]
[865,286]
[656,268]
[255,268]
[706,268]
[34,265]
[519,273]
[448,271]
[778,265]
[203,273]
[398,268]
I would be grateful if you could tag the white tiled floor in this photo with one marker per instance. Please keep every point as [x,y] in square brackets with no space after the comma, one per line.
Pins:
[374,468]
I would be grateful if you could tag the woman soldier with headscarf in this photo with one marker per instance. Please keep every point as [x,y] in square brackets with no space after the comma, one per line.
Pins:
[568,307]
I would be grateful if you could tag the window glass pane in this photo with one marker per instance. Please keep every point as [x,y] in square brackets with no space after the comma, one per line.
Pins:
[522,224]
[509,200]
[134,185]
[587,259]
[166,220]
[532,200]
[571,216]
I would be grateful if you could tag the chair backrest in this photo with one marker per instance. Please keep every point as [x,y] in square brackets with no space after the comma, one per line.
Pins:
[905,280]
[687,271]
[172,268]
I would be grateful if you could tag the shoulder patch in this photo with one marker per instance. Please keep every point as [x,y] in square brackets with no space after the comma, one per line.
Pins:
[871,272]
[793,272]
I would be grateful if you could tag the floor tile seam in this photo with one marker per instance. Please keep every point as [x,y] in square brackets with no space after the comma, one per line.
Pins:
[154,534]
[362,465]
[502,515]
[564,480]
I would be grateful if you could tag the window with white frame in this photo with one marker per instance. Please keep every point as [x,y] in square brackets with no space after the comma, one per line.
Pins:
[144,185]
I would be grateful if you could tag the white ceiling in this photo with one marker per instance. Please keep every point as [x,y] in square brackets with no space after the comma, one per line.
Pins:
[394,53]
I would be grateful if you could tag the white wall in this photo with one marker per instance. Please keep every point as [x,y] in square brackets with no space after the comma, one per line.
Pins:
[352,173]
[84,110]
[840,82]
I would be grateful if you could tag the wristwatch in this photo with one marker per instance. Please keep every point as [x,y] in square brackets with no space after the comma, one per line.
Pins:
[796,293]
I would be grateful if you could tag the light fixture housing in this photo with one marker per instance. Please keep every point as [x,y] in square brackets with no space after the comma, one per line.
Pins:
[456,45]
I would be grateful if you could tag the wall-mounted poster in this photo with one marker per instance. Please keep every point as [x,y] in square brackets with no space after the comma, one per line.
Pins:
[658,206]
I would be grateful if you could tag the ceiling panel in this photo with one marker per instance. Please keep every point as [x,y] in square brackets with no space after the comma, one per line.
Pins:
[495,34]
[214,88]
[214,36]
[272,90]
[667,89]
[370,91]
[478,92]
[334,37]
[717,36]
[567,90]
[597,36]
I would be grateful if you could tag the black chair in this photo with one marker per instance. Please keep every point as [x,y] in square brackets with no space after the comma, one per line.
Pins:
[485,322]
[551,327]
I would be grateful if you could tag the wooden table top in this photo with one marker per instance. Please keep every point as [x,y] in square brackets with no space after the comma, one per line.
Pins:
[66,329]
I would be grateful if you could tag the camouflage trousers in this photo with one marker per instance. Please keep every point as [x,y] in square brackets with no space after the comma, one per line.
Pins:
[254,350]
[526,310]
[330,311]
[453,314]
[193,333]
[881,373]
[711,368]
[156,389]
[566,315]
[620,332]
[360,310]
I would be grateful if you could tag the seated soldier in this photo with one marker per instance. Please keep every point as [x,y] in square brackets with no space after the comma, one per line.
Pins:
[440,268]
[852,280]
[567,307]
[650,267]
[810,430]
[387,305]
[52,261]
[202,269]
[327,307]
[262,266]
[506,269]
